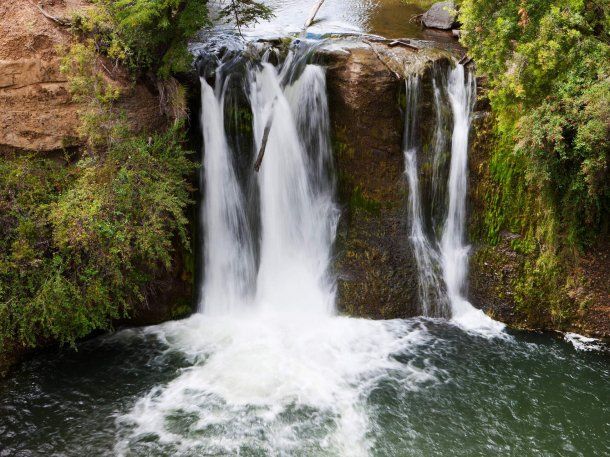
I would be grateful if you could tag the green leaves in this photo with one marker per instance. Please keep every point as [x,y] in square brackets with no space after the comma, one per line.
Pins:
[548,63]
[244,12]
[81,241]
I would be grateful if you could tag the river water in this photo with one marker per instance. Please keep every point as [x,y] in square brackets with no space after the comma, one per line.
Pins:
[398,388]
[388,18]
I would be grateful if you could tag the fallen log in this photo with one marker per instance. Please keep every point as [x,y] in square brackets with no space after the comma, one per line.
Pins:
[314,12]
[261,151]
[403,43]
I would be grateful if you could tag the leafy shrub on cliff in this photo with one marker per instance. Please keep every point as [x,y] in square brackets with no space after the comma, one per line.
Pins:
[147,35]
[144,35]
[548,64]
[81,242]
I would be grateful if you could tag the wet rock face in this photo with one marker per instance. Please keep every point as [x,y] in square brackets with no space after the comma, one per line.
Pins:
[377,275]
[441,15]
[37,112]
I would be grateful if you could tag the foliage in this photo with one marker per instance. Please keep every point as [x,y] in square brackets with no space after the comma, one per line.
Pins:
[81,242]
[100,121]
[244,12]
[548,67]
[144,35]
[152,35]
[548,63]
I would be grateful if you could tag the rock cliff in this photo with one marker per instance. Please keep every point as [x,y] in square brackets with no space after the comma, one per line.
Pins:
[37,113]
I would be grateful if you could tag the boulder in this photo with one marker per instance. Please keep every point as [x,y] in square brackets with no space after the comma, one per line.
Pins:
[441,15]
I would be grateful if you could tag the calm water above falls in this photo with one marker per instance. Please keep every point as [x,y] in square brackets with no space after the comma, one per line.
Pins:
[389,18]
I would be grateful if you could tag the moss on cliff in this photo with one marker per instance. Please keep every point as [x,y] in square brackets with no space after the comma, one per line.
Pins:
[522,271]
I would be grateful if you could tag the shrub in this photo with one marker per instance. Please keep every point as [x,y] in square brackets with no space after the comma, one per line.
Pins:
[81,242]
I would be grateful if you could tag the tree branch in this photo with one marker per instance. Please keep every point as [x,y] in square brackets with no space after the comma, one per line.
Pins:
[58,20]
[261,151]
[314,11]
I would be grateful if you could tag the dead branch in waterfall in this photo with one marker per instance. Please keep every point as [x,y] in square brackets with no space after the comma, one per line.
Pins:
[314,12]
[261,151]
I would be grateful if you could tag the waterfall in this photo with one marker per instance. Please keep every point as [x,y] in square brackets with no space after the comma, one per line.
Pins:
[430,291]
[270,367]
[228,256]
[454,252]
[442,264]
[298,216]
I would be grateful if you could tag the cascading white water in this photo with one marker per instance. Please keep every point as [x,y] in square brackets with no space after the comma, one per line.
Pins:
[454,252]
[271,370]
[279,373]
[298,216]
[449,255]
[439,147]
[228,256]
[430,289]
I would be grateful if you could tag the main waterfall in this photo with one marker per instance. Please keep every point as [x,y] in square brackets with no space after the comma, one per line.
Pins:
[298,216]
[268,366]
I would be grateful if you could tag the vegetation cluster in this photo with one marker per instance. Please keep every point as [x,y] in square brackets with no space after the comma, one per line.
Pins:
[548,69]
[86,233]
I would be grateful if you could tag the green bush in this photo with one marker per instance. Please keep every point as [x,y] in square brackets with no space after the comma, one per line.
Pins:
[152,35]
[81,242]
[548,67]
[144,35]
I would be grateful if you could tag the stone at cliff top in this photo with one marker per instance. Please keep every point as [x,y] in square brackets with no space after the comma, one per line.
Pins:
[441,15]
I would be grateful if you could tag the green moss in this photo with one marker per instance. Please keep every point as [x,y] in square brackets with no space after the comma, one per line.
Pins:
[181,310]
[358,200]
[540,263]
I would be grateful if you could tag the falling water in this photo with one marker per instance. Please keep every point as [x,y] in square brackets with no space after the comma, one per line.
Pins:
[298,216]
[447,257]
[430,291]
[228,256]
[270,368]
[454,252]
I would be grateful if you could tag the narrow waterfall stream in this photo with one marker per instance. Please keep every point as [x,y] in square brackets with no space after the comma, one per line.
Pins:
[461,89]
[433,300]
[442,261]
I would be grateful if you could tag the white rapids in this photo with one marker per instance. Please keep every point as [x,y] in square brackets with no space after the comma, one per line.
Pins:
[272,370]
